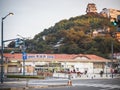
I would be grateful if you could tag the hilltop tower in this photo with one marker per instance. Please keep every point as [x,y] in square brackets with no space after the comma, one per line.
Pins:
[91,8]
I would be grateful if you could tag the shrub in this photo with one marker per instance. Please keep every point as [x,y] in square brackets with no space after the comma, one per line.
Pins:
[25,76]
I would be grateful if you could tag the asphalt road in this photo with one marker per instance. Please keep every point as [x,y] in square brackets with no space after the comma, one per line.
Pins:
[77,88]
[77,84]
[81,84]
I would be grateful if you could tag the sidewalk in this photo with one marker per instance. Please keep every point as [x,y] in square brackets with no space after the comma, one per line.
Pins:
[24,85]
[12,86]
[87,76]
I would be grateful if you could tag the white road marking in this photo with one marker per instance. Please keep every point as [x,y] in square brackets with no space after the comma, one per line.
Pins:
[107,86]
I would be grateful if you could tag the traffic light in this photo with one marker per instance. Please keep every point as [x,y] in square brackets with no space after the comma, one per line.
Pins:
[114,22]
[17,42]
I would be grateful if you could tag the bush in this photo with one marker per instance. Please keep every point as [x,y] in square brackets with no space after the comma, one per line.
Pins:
[25,76]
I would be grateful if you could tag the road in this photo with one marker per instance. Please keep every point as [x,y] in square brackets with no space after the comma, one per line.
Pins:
[77,88]
[81,84]
[77,84]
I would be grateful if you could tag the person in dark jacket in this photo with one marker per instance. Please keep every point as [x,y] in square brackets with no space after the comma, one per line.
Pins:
[101,73]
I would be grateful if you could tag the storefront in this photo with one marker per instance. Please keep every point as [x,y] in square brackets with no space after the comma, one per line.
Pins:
[12,67]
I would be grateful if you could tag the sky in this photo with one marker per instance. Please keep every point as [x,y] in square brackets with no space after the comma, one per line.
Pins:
[33,16]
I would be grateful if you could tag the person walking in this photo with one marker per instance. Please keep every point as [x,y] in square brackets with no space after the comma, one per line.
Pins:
[101,73]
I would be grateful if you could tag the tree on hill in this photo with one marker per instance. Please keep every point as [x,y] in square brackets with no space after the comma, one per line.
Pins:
[75,36]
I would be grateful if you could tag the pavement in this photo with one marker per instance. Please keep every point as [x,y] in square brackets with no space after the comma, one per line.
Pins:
[25,84]
[87,76]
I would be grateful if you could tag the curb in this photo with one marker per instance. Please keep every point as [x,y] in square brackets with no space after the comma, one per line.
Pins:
[27,88]
[46,86]
[13,88]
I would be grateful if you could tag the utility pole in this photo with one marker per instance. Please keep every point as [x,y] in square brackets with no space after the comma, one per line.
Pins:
[24,55]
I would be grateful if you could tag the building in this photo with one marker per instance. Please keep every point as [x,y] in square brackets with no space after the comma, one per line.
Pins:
[91,8]
[55,63]
[110,13]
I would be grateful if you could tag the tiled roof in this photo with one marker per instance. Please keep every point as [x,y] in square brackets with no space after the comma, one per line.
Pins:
[54,56]
[11,56]
[64,56]
[95,57]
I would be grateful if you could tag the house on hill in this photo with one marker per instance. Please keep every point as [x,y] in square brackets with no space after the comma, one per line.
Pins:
[110,13]
[55,63]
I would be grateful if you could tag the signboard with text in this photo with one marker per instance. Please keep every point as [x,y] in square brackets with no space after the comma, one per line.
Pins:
[44,56]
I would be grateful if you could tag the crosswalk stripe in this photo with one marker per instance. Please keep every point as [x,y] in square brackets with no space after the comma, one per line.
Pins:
[99,85]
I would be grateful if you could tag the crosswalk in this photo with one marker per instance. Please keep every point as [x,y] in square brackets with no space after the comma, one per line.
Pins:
[43,83]
[105,86]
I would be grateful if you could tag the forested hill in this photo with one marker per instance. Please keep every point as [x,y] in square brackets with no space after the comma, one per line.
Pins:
[82,23]
[75,36]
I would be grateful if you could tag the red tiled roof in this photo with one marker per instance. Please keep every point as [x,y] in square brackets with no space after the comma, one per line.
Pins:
[58,56]
[91,56]
[15,56]
[64,56]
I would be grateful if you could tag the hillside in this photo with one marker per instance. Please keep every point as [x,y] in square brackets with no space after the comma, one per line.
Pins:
[75,35]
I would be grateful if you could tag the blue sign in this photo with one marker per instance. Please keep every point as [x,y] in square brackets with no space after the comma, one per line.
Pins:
[24,55]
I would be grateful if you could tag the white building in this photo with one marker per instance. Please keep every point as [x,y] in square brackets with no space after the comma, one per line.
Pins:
[56,63]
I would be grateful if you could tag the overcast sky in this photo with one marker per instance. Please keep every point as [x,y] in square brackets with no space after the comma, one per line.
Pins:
[33,16]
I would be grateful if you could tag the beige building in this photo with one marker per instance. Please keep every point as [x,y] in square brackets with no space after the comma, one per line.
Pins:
[110,13]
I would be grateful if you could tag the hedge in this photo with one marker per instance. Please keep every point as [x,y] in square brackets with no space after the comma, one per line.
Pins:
[25,76]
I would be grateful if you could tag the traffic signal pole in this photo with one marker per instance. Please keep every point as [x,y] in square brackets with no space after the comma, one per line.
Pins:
[24,55]
[115,23]
[112,58]
[118,23]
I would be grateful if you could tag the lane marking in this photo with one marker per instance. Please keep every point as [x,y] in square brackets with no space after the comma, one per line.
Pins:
[107,86]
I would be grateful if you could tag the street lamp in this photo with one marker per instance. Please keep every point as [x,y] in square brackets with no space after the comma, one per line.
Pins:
[2,68]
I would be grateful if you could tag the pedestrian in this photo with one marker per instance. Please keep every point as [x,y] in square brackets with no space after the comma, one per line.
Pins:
[85,72]
[101,73]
